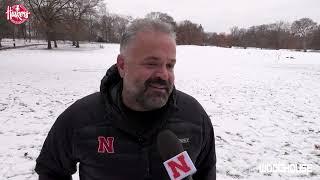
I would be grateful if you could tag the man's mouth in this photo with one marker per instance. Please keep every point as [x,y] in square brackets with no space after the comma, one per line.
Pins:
[159,87]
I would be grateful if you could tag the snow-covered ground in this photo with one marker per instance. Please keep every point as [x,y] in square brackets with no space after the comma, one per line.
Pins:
[264,104]
[19,42]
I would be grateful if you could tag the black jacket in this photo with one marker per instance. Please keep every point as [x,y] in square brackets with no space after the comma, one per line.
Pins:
[74,138]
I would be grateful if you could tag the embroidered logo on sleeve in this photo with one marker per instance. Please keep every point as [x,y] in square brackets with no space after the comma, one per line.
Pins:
[184,140]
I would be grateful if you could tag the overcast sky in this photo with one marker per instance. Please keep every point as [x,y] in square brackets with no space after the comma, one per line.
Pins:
[220,16]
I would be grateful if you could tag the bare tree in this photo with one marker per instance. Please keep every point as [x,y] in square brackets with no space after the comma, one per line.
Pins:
[118,27]
[49,13]
[280,34]
[242,36]
[75,14]
[302,28]
[92,22]
[106,26]
[315,42]
[273,36]
[221,39]
[189,33]
[5,27]
[112,26]
[235,36]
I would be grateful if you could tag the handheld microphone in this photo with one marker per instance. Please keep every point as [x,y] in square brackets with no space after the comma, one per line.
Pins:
[177,161]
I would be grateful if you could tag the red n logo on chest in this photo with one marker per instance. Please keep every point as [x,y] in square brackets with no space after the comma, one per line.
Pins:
[105,144]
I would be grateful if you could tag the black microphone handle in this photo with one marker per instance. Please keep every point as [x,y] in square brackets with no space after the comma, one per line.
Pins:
[189,178]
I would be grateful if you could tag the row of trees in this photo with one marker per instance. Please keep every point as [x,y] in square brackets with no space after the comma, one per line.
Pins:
[80,20]
[301,34]
[75,20]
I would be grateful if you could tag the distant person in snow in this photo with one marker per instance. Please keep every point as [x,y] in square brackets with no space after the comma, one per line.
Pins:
[112,133]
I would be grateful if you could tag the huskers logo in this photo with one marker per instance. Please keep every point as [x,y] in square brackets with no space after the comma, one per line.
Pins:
[180,166]
[17,14]
[105,144]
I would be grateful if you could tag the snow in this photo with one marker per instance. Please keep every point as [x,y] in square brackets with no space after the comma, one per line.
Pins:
[19,42]
[264,104]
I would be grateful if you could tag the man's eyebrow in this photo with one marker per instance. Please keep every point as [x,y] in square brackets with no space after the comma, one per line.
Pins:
[173,60]
[151,58]
[154,58]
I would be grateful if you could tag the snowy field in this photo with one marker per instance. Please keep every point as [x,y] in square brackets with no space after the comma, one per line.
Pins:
[264,104]
[19,42]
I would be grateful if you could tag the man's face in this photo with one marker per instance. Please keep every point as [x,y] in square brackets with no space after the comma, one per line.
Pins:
[147,70]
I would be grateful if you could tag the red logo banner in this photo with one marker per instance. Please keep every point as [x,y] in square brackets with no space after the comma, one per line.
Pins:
[17,14]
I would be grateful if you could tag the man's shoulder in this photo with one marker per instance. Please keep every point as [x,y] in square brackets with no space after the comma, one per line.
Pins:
[88,109]
[187,101]
[88,102]
[190,110]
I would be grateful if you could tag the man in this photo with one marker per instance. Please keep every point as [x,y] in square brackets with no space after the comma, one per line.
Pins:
[112,133]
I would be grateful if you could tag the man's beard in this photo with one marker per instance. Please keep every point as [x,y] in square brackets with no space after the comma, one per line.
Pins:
[152,99]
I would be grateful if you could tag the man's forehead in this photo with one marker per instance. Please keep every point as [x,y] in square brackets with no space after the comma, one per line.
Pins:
[151,38]
[147,33]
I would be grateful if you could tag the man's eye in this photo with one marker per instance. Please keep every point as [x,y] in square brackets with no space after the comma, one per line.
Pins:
[170,66]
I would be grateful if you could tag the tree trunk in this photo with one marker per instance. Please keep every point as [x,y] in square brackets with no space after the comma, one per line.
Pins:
[54,38]
[0,43]
[49,39]
[14,37]
[304,44]
[49,44]
[29,31]
[25,32]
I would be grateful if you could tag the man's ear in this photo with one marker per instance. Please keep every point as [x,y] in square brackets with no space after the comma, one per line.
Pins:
[120,65]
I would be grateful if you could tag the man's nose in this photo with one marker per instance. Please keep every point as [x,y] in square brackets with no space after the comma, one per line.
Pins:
[163,73]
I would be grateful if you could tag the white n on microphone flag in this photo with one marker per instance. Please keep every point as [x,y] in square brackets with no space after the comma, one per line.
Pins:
[180,166]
